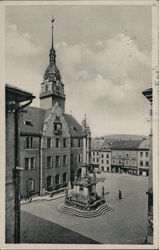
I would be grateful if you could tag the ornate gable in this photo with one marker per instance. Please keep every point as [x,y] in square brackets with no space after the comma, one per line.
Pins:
[55,117]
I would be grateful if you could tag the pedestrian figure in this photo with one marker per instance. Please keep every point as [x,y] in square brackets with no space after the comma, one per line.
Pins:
[120,194]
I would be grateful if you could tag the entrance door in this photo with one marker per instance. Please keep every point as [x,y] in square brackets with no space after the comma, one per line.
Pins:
[30,185]
[49,181]
[79,173]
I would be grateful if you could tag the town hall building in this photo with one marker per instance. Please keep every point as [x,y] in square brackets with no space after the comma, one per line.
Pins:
[50,139]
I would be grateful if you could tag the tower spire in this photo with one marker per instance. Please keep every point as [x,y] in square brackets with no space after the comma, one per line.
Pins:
[52,51]
[52,21]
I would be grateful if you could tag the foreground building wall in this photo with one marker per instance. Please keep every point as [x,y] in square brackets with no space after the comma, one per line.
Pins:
[14,96]
[10,188]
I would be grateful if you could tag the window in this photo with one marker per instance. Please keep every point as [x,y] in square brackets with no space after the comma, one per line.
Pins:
[28,123]
[119,162]
[147,154]
[71,158]
[107,161]
[48,142]
[26,164]
[57,128]
[57,179]
[141,163]
[74,128]
[80,157]
[79,143]
[146,164]
[65,143]
[97,153]
[97,160]
[65,160]
[29,142]
[107,156]
[102,155]
[141,154]
[113,161]
[57,142]
[64,177]
[134,163]
[102,161]
[48,161]
[57,161]
[127,155]
[32,163]
[127,163]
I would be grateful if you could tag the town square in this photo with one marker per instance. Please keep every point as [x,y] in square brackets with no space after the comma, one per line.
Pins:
[80,119]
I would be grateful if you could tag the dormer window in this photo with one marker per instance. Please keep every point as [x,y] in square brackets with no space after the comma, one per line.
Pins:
[57,126]
[74,128]
[28,123]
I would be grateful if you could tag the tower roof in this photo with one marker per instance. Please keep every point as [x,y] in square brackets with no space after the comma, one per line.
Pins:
[52,73]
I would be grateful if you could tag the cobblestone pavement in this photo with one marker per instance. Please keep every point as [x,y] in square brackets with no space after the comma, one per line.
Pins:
[126,224]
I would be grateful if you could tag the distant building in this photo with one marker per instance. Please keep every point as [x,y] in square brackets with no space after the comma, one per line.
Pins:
[96,143]
[105,157]
[16,100]
[121,156]
[51,140]
[143,158]
[125,156]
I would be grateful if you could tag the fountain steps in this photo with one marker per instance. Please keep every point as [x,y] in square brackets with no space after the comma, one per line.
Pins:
[105,208]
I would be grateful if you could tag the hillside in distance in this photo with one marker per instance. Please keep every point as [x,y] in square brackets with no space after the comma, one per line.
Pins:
[125,137]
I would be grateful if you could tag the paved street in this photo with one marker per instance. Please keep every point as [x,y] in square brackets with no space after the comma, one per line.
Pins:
[126,224]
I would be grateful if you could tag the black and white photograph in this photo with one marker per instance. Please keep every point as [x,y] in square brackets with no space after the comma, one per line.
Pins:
[80,124]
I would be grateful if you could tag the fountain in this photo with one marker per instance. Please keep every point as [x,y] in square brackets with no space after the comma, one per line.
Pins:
[84,200]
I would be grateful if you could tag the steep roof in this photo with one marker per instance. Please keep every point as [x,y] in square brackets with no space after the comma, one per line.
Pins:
[96,143]
[144,145]
[125,145]
[31,122]
[75,128]
[105,146]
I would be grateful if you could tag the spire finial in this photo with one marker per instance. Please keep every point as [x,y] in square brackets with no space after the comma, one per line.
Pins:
[52,21]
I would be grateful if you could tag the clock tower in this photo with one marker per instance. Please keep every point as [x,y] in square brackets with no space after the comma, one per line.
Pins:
[52,88]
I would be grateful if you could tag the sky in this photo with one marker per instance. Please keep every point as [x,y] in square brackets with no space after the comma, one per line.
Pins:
[103,54]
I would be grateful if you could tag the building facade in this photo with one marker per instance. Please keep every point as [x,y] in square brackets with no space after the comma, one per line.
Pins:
[125,156]
[105,157]
[51,140]
[96,144]
[143,158]
[14,106]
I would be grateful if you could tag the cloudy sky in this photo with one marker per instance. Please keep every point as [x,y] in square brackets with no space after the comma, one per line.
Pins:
[103,54]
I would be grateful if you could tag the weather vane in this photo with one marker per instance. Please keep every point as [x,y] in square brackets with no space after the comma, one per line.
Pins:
[52,19]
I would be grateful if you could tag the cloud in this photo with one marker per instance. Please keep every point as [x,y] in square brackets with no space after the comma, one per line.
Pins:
[21,44]
[103,79]
[106,78]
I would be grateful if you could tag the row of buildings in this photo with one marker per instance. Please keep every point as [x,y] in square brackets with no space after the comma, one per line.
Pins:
[118,156]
